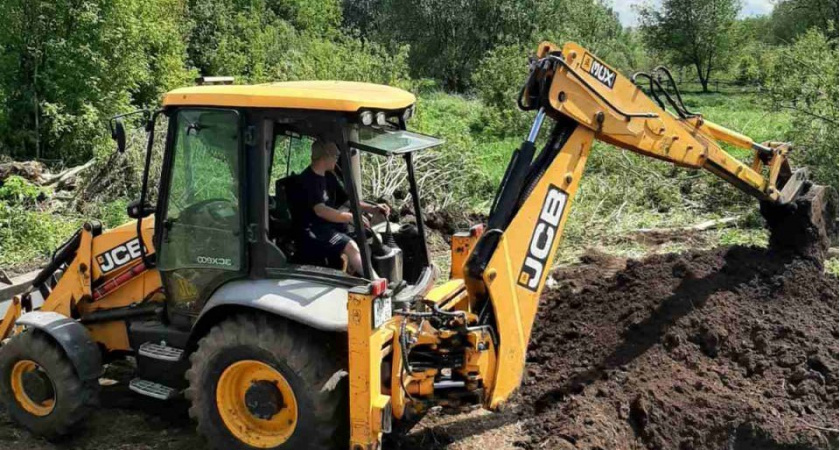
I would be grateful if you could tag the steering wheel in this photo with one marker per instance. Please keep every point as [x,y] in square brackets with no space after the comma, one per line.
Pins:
[214,208]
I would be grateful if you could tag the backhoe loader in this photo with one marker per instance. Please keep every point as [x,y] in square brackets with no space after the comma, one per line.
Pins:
[210,291]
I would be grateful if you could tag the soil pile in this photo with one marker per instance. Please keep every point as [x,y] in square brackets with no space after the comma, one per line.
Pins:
[732,348]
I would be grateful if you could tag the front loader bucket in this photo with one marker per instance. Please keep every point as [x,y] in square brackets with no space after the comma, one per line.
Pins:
[806,225]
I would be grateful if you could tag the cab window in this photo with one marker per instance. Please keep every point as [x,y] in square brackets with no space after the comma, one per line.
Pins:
[202,220]
[292,155]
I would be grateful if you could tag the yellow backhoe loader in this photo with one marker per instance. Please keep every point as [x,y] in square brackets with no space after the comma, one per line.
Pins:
[211,291]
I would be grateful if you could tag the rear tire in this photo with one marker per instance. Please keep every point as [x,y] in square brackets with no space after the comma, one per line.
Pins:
[58,399]
[259,350]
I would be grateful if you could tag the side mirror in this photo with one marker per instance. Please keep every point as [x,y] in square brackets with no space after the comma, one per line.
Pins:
[134,211]
[118,134]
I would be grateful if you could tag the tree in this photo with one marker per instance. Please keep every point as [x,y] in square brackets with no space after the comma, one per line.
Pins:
[804,83]
[692,32]
[791,18]
[447,38]
[68,65]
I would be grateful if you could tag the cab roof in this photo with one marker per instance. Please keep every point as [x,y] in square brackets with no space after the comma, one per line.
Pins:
[345,96]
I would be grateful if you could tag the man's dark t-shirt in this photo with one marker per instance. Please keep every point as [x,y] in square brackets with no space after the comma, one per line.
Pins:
[314,188]
[323,237]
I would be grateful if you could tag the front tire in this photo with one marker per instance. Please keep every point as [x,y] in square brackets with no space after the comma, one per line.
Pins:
[261,382]
[40,388]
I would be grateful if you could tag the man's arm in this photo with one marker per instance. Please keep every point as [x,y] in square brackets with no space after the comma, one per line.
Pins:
[331,214]
[381,208]
[335,216]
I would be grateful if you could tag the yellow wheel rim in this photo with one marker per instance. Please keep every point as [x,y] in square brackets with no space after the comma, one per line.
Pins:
[238,387]
[40,409]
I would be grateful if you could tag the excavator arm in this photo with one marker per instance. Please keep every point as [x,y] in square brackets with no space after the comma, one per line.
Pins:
[588,100]
[574,83]
[466,341]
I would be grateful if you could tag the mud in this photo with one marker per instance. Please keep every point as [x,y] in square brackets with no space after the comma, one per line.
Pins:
[726,349]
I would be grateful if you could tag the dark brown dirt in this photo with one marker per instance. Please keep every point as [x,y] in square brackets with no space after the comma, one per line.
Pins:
[806,226]
[726,349]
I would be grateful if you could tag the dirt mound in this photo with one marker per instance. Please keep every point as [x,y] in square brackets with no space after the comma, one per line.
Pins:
[726,349]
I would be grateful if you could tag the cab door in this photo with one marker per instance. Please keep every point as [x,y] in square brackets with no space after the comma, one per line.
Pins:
[201,243]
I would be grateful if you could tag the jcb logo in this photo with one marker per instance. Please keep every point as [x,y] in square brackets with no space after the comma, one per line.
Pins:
[598,70]
[119,256]
[543,238]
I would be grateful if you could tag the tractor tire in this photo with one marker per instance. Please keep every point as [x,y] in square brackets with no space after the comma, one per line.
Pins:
[257,381]
[40,388]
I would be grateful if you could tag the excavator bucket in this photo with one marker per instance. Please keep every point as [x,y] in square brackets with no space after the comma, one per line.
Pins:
[805,225]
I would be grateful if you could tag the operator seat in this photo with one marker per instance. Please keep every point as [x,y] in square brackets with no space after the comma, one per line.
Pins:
[289,197]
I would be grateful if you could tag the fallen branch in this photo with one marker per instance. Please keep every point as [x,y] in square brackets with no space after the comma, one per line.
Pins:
[63,177]
[830,430]
[702,226]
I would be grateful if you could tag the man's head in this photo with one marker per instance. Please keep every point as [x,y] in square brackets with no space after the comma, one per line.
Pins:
[324,155]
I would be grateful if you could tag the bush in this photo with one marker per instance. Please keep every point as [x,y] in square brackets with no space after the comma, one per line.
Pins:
[497,82]
[804,82]
[17,191]
[27,235]
[67,66]
[754,64]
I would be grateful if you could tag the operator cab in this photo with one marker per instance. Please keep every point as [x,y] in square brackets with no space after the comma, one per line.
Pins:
[229,206]
[291,155]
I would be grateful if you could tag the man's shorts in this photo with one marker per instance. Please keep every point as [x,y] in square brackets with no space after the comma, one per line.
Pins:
[325,241]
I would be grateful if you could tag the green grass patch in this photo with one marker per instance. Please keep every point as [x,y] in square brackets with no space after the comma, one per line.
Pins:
[28,236]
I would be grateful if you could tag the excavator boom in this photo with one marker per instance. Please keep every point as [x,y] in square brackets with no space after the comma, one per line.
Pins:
[467,340]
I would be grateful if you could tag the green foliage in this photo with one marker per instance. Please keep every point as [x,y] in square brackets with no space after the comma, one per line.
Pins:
[755,63]
[448,39]
[804,84]
[456,120]
[590,23]
[497,82]
[695,33]
[70,64]
[16,190]
[269,40]
[792,18]
[27,235]
[754,58]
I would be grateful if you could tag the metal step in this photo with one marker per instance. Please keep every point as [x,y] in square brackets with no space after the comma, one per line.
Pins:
[160,351]
[152,389]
